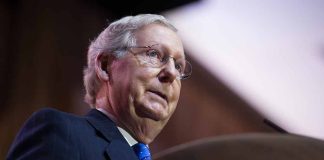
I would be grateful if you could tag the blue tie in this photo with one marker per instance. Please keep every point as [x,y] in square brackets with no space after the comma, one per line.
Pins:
[142,151]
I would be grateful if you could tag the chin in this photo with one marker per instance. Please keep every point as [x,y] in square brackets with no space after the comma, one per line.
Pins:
[149,129]
[147,138]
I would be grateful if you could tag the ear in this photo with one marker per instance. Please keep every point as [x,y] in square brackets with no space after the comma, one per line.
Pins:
[102,65]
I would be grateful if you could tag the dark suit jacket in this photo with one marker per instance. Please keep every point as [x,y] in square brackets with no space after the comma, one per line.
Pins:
[51,134]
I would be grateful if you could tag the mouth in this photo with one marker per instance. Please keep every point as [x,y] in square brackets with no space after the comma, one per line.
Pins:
[163,96]
[155,106]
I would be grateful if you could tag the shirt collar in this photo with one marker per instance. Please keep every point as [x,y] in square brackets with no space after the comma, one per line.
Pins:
[130,140]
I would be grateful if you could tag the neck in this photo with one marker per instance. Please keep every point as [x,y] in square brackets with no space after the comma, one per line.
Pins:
[102,101]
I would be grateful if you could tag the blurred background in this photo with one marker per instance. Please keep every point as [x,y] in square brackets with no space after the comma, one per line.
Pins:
[254,62]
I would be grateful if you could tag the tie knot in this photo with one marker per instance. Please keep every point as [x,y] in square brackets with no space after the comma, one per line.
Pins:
[142,151]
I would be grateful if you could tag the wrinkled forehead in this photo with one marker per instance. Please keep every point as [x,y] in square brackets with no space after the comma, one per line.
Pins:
[168,40]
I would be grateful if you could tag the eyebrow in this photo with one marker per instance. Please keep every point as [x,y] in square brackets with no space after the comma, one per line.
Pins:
[144,46]
[166,50]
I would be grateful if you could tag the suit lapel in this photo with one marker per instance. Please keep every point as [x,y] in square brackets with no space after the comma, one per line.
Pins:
[104,125]
[118,147]
[118,150]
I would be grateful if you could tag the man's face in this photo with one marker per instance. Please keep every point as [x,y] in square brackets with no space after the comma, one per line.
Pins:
[144,98]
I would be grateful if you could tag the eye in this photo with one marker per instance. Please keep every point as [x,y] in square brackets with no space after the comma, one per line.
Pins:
[178,67]
[152,53]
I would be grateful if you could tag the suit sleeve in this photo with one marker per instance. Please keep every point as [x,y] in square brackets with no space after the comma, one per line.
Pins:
[45,135]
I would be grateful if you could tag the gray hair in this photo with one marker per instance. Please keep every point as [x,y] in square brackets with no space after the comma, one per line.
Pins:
[113,40]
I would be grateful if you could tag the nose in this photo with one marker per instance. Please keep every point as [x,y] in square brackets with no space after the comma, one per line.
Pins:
[168,72]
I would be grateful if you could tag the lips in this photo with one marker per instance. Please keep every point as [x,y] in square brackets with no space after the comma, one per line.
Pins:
[163,96]
[155,106]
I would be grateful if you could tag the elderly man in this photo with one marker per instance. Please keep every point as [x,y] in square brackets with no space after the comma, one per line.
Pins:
[133,82]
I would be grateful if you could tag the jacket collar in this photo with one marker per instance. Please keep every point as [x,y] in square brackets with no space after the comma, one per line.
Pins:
[117,147]
[103,124]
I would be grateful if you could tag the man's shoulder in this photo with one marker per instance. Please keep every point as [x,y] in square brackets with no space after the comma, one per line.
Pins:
[50,121]
[47,132]
[52,116]
[53,113]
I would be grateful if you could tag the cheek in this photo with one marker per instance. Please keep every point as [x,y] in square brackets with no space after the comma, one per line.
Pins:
[140,80]
[136,90]
[176,95]
[121,83]
[176,88]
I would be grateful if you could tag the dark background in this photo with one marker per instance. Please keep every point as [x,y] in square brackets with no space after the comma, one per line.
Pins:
[43,47]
